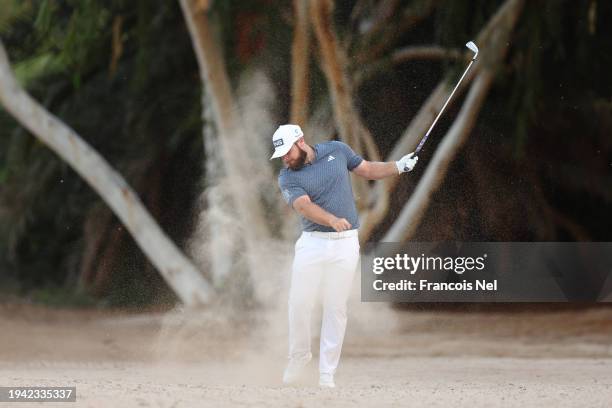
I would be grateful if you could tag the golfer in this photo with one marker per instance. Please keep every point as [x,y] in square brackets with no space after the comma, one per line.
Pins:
[316,183]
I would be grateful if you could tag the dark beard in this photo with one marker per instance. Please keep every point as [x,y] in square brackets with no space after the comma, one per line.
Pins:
[299,163]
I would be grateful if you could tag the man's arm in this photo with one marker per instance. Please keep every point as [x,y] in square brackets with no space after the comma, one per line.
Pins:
[379,170]
[375,170]
[314,213]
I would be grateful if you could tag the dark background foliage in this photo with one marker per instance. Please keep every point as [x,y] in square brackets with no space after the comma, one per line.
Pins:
[122,73]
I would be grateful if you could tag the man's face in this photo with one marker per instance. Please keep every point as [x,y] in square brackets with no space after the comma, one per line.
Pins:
[295,157]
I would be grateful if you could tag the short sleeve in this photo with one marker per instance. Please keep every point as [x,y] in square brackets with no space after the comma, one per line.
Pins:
[352,159]
[290,190]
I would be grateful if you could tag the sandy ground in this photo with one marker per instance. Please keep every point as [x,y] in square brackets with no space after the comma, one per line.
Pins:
[408,358]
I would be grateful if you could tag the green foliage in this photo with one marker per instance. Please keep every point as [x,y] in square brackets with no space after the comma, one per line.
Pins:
[145,110]
[62,297]
[44,16]
[526,91]
[555,62]
[13,11]
[28,71]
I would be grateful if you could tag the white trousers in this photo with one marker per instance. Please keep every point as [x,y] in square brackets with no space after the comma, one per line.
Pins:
[321,267]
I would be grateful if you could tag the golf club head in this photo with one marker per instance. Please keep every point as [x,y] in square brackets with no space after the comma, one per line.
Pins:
[473,48]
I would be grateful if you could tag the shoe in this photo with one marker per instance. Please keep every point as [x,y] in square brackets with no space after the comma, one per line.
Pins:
[294,370]
[327,381]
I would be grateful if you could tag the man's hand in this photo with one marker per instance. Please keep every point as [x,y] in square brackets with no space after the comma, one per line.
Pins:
[314,213]
[406,163]
[339,224]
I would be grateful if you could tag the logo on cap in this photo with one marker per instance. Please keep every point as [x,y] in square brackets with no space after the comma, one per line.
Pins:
[277,142]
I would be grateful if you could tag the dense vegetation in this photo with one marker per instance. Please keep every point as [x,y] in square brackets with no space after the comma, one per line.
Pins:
[122,73]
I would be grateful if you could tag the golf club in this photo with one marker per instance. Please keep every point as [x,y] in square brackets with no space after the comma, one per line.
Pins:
[474,49]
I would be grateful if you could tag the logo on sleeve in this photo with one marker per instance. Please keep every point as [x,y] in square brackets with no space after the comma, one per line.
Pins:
[286,195]
[330,158]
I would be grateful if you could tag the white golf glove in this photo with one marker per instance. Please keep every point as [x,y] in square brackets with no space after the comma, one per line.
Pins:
[406,163]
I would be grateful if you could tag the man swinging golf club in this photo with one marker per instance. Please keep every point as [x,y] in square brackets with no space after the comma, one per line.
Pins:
[316,183]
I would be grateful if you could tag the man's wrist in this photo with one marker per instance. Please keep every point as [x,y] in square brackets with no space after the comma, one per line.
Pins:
[398,166]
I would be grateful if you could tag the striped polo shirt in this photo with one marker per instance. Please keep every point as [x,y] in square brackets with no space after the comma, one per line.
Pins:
[326,181]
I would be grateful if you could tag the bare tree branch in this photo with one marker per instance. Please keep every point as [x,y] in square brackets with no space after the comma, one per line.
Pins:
[430,52]
[237,161]
[380,16]
[371,48]
[177,270]
[117,44]
[501,22]
[358,10]
[202,6]
[300,62]
[211,64]
[349,123]
[334,63]
[406,223]
[493,50]
[376,210]
[245,177]
[365,72]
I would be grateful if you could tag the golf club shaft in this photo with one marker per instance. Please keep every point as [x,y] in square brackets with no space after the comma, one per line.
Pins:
[422,142]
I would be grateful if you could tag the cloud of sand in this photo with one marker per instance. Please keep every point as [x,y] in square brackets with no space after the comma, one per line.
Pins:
[218,231]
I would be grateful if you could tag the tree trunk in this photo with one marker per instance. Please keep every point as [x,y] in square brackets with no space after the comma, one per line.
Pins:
[234,155]
[334,61]
[300,62]
[177,270]
[348,121]
[245,175]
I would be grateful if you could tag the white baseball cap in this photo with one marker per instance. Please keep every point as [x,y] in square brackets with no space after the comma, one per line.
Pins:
[284,137]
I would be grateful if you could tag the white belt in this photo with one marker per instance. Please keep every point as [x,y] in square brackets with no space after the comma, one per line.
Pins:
[332,235]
